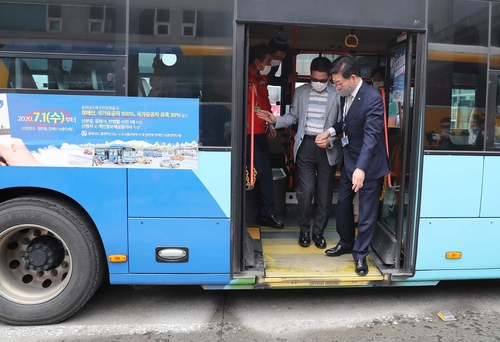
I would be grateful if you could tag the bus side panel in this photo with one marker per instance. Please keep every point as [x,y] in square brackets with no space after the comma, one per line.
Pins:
[451,186]
[100,191]
[207,241]
[491,185]
[204,192]
[477,239]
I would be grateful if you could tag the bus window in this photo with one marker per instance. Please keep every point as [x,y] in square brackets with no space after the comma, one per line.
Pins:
[456,82]
[497,115]
[366,63]
[183,52]
[61,74]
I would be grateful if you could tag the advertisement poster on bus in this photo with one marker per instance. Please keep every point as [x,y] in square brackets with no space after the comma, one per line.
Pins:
[399,75]
[396,97]
[99,131]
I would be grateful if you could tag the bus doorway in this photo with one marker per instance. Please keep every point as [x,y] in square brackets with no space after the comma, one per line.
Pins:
[279,260]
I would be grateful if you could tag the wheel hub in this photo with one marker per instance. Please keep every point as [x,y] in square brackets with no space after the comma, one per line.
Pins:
[44,253]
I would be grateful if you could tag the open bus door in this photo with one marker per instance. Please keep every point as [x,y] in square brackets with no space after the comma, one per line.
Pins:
[389,238]
[279,261]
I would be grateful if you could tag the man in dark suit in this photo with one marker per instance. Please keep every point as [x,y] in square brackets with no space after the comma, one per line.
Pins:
[365,161]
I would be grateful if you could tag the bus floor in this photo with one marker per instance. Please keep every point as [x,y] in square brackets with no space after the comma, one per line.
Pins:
[286,264]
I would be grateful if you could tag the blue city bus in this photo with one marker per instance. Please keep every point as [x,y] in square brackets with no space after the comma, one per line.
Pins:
[195,225]
[153,153]
[116,154]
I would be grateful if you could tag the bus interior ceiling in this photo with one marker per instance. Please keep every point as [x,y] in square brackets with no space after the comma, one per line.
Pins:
[278,255]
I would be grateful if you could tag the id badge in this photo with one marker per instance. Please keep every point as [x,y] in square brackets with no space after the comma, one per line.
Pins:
[345,141]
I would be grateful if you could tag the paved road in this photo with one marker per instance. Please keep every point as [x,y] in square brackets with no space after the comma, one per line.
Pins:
[167,313]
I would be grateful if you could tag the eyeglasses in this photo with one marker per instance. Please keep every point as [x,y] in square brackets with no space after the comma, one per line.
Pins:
[445,127]
[320,81]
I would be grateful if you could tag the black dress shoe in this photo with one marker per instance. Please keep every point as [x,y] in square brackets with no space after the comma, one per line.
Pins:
[361,266]
[319,241]
[270,221]
[304,239]
[337,251]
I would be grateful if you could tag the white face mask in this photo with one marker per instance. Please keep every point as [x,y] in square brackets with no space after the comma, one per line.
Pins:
[377,85]
[275,62]
[346,92]
[318,86]
[266,70]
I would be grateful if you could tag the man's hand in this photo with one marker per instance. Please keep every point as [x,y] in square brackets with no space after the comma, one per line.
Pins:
[267,116]
[18,155]
[322,136]
[358,177]
[322,142]
[271,132]
[445,136]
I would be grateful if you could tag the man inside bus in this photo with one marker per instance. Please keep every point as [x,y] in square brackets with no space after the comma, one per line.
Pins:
[315,108]
[365,161]
[279,48]
[445,134]
[259,66]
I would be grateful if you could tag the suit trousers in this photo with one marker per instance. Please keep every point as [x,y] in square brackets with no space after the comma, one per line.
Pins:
[316,178]
[264,181]
[369,203]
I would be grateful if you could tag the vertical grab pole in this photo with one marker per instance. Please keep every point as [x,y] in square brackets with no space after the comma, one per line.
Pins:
[252,129]
[386,133]
[291,157]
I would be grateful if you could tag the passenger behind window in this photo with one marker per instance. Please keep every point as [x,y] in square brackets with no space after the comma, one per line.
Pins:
[26,81]
[476,132]
[468,140]
[158,82]
[444,136]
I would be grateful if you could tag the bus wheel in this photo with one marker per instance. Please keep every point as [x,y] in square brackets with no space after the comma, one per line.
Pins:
[51,261]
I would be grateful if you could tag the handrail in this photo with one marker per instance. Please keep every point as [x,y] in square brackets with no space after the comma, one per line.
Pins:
[291,157]
[252,133]
[386,134]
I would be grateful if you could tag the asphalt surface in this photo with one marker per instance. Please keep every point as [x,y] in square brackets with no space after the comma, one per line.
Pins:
[169,313]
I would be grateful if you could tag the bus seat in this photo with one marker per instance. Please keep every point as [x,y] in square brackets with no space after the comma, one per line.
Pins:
[60,79]
[144,86]
[26,82]
[4,75]
[96,80]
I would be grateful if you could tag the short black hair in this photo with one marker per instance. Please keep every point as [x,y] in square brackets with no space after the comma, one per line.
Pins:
[258,52]
[344,65]
[446,119]
[277,44]
[321,64]
[380,70]
[476,117]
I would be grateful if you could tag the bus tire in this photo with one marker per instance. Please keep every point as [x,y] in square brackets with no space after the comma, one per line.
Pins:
[51,261]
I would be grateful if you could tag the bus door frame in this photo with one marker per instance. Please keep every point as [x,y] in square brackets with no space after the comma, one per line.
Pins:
[383,236]
[492,109]
[238,147]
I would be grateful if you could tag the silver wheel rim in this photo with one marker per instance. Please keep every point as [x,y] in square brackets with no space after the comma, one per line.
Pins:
[22,284]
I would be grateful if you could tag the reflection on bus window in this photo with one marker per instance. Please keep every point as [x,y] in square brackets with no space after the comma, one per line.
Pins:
[456,82]
[497,117]
[61,74]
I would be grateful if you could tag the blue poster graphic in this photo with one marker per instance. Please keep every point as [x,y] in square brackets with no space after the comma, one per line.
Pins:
[99,131]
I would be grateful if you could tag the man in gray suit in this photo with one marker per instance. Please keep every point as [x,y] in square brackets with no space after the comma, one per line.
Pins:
[316,108]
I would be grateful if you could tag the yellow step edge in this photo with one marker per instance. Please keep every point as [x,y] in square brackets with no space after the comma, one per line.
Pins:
[254,232]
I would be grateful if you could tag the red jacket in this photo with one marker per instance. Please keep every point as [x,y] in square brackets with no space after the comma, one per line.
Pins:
[261,99]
